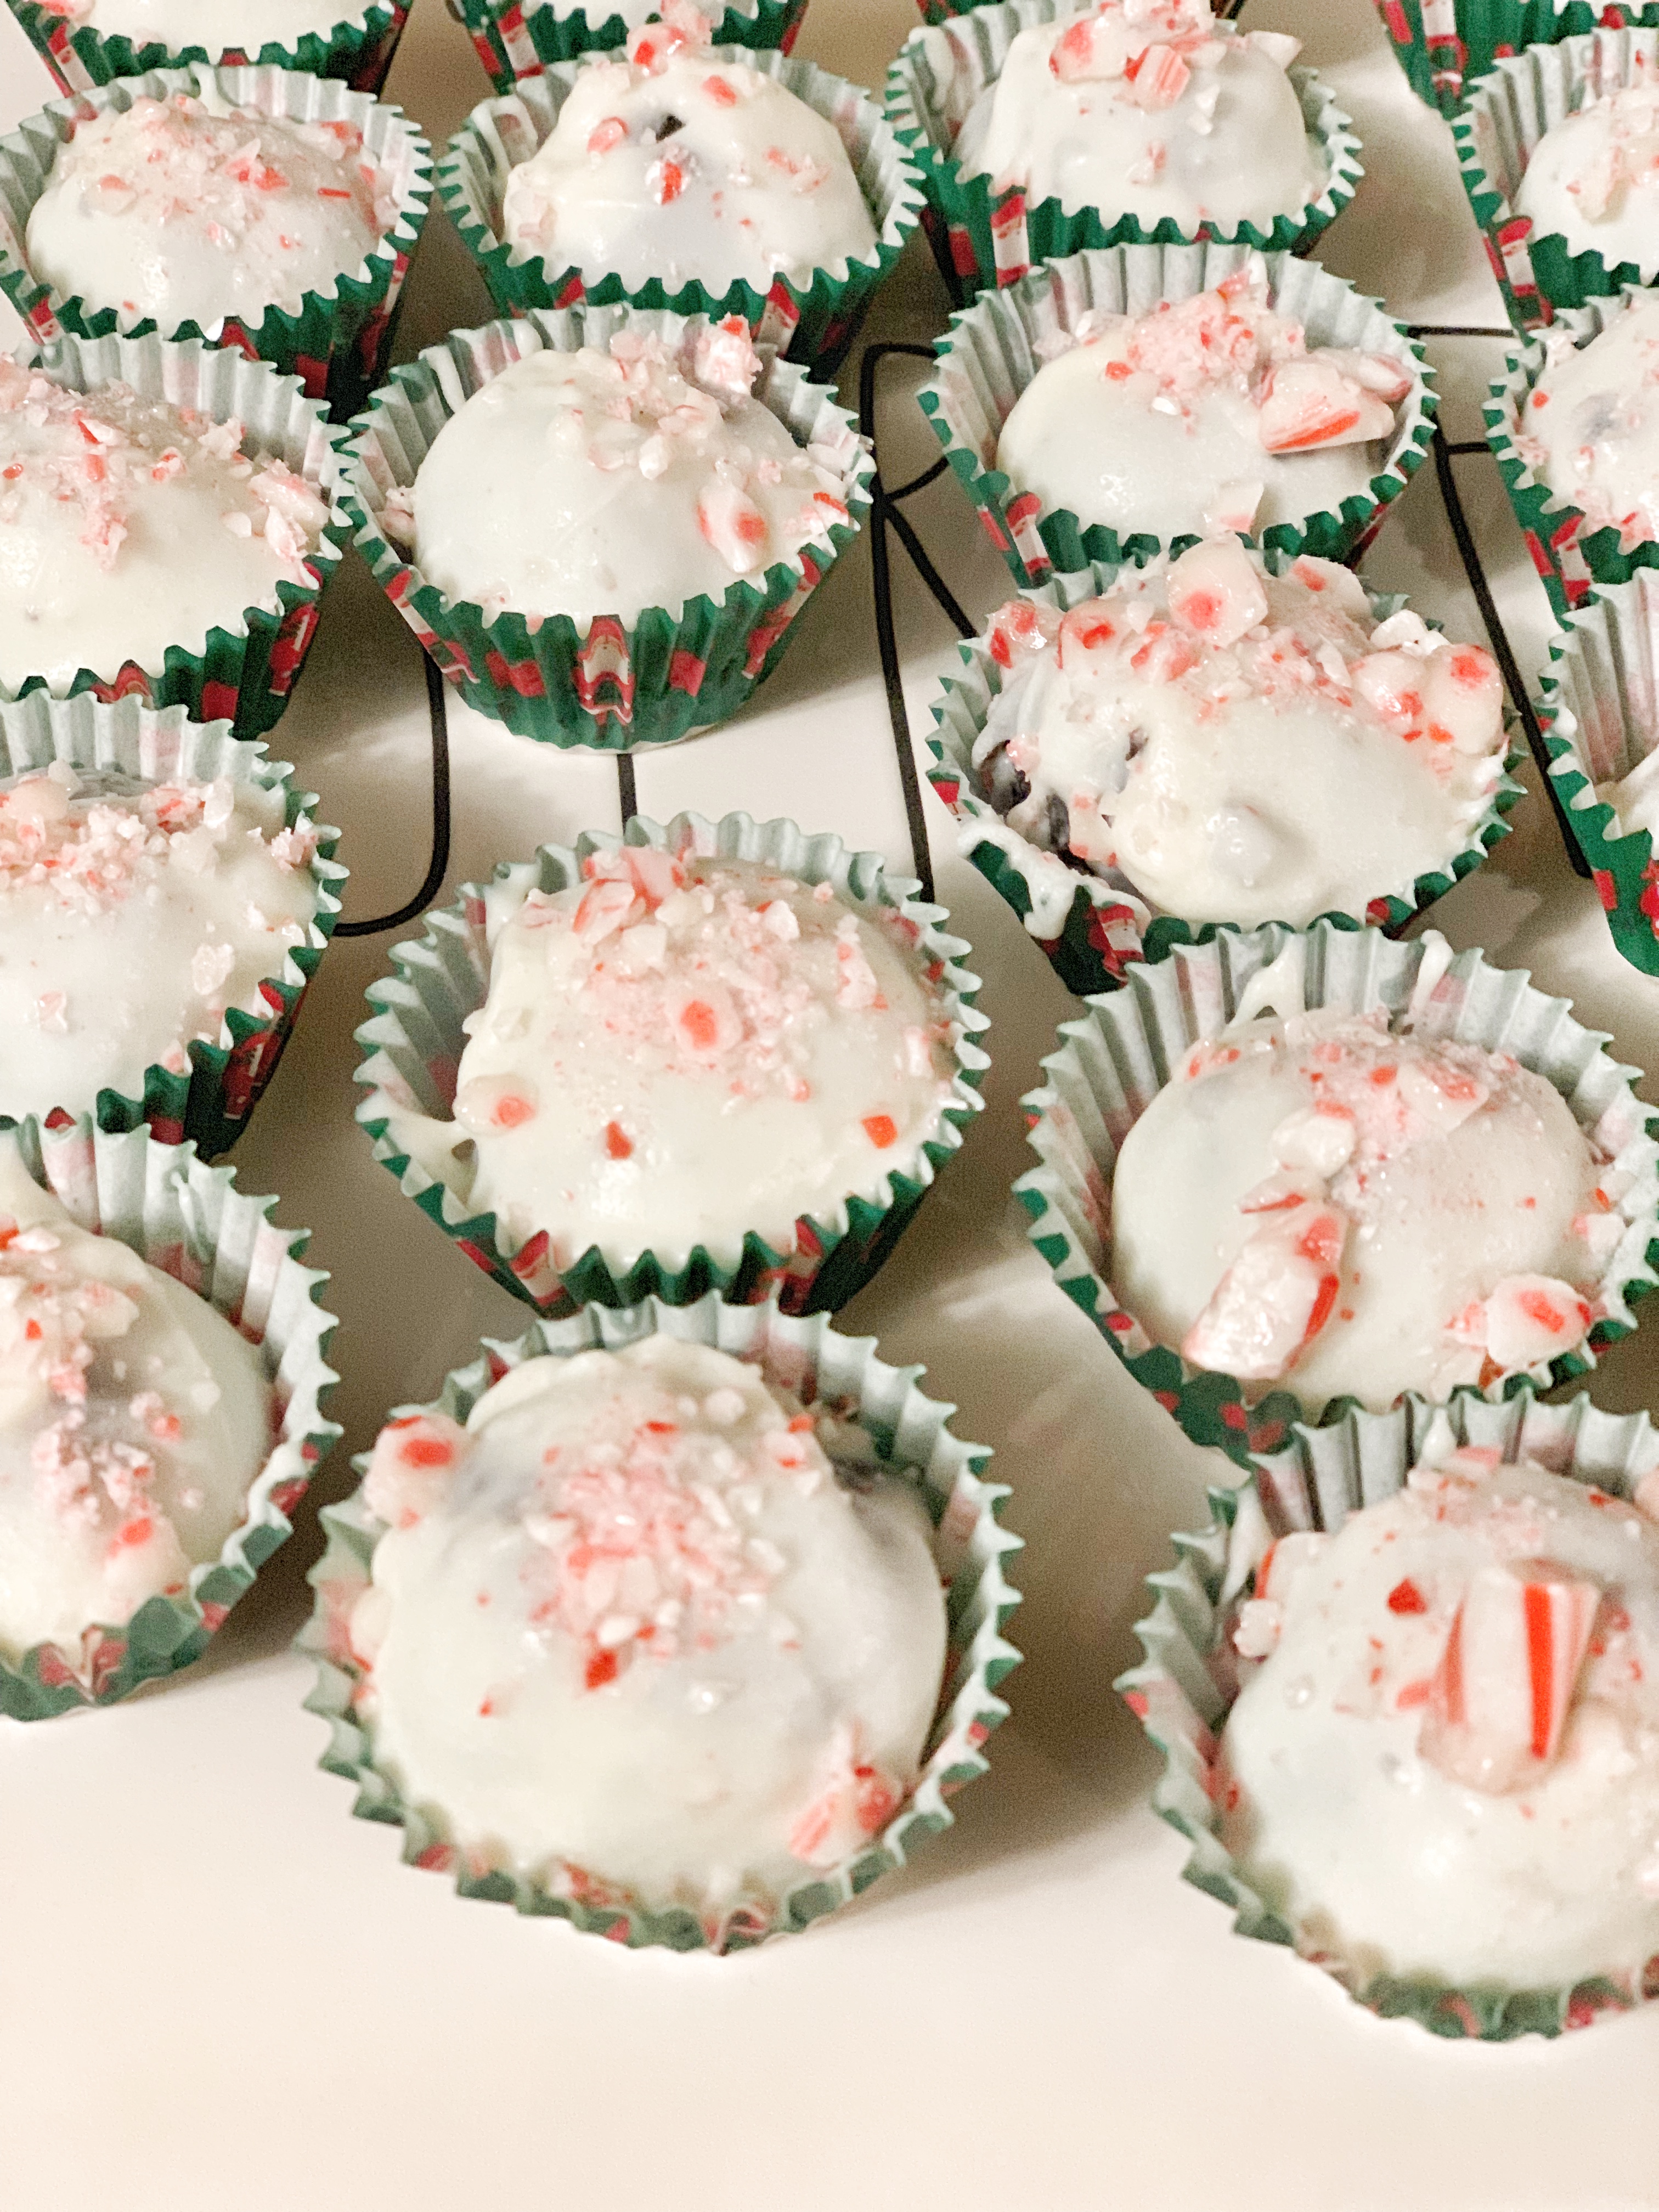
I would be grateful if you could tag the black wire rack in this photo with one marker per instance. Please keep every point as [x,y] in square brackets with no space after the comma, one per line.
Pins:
[887,515]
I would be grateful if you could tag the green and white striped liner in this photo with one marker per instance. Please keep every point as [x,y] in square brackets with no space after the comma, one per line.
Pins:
[356,50]
[1112,1062]
[516,42]
[1319,1478]
[1444,46]
[907,1432]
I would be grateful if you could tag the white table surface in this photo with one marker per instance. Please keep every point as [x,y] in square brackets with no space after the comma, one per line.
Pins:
[222,1994]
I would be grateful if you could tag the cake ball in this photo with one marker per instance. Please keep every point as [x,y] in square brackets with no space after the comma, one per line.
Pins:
[682,167]
[133,1420]
[1593,179]
[1589,428]
[242,27]
[1208,414]
[629,1630]
[133,916]
[1228,744]
[128,524]
[603,483]
[191,210]
[1443,1761]
[1162,112]
[681,1049]
[1329,1205]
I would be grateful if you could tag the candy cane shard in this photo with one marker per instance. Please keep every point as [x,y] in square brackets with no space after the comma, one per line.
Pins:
[1276,1297]
[1216,592]
[1504,1687]
[1530,1318]
[1308,403]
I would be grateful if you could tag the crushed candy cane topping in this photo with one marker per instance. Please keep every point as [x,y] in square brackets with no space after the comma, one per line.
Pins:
[1589,428]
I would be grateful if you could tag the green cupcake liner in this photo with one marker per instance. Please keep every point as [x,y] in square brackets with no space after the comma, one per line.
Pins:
[609,685]
[1090,927]
[1112,1062]
[209,1106]
[1177,1692]
[1501,121]
[337,341]
[909,1436]
[814,325]
[415,1038]
[357,50]
[1443,45]
[991,353]
[983,239]
[1570,557]
[244,676]
[192,1222]
[516,42]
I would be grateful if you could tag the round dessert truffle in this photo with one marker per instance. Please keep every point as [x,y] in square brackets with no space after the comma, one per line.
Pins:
[678,1051]
[1592,178]
[630,1628]
[1162,112]
[603,483]
[242,27]
[128,526]
[1323,1203]
[135,1419]
[682,167]
[1209,414]
[1444,1766]
[1231,745]
[1589,428]
[190,210]
[132,917]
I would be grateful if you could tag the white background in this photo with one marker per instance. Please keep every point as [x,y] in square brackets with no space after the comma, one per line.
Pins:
[218,1991]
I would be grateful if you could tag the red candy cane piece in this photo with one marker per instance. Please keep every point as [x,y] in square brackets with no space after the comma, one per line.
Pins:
[733,526]
[1504,1687]
[1276,1297]
[1530,1318]
[1020,627]
[1160,77]
[411,1466]
[1216,593]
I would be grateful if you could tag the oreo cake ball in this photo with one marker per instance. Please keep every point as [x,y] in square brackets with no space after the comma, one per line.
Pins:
[630,1631]
[679,166]
[1592,179]
[1208,414]
[1164,111]
[1590,427]
[1322,1203]
[1227,744]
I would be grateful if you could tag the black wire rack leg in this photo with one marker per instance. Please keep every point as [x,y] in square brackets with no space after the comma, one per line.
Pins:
[627,792]
[438,867]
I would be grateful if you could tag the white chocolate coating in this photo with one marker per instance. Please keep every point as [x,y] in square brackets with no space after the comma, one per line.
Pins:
[1592,179]
[592,484]
[131,918]
[1205,415]
[218,26]
[133,1418]
[1347,1797]
[128,525]
[1319,1203]
[1589,428]
[189,210]
[680,1051]
[1234,746]
[1165,113]
[629,1631]
[685,168]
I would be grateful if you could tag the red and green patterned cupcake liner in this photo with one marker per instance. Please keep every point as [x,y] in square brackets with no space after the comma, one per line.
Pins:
[357,50]
[245,676]
[1184,1688]
[994,349]
[1443,45]
[1091,929]
[337,341]
[516,42]
[813,323]
[414,1042]
[612,685]
[192,1222]
[984,239]
[902,1431]
[1114,1060]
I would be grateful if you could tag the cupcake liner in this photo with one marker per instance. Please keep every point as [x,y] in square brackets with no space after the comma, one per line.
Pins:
[990,354]
[1090,927]
[1112,1062]
[1570,557]
[516,42]
[1502,119]
[190,1221]
[211,1104]
[415,1038]
[357,50]
[909,1435]
[981,239]
[1178,1695]
[814,325]
[1599,710]
[1443,45]
[609,685]
[337,342]
[243,675]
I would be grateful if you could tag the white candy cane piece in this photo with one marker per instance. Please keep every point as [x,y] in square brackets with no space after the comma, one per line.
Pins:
[1234,506]
[1505,1683]
[1161,76]
[1389,378]
[1463,698]
[1020,629]
[1534,1317]
[733,526]
[1276,1297]
[411,1466]
[1216,592]
[1278,47]
[1089,51]
[1308,403]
